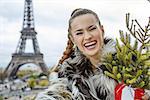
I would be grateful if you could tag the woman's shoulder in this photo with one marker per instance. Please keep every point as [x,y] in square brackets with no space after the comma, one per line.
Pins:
[76,64]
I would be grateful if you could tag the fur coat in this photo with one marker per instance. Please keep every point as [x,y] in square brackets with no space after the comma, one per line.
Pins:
[77,81]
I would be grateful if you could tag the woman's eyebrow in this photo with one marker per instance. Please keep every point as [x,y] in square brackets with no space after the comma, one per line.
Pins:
[90,26]
[78,30]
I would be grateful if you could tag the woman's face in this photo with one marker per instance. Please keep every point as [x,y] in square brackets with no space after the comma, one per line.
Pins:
[87,34]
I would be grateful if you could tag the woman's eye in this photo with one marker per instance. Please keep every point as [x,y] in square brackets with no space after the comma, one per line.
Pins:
[79,33]
[93,28]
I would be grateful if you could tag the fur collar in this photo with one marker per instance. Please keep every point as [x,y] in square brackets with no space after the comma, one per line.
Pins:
[79,65]
[84,83]
[77,81]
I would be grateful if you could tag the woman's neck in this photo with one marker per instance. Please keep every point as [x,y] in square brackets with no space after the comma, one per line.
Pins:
[95,61]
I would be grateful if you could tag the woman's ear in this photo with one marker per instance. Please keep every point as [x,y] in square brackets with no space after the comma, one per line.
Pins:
[102,28]
[71,38]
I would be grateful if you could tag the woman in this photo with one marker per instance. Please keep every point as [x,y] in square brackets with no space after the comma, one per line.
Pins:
[81,74]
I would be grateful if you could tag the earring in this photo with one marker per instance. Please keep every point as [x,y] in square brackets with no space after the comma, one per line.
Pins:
[74,46]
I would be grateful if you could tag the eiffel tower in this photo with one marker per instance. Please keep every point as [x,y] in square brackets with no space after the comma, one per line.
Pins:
[20,57]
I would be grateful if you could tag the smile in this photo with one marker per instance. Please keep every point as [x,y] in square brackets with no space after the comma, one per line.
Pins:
[90,45]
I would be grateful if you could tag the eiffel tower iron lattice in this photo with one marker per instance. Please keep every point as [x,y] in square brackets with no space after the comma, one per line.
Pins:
[20,57]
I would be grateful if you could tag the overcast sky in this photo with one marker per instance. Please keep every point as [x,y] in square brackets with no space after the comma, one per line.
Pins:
[51,23]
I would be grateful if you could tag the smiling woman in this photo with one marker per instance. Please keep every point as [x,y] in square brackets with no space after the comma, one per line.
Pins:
[81,75]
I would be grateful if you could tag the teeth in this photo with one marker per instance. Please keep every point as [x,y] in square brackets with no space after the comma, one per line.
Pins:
[90,43]
[91,47]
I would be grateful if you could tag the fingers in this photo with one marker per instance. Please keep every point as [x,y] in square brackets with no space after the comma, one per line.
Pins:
[145,97]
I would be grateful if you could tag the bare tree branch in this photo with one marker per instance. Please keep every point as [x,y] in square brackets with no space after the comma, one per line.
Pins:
[137,31]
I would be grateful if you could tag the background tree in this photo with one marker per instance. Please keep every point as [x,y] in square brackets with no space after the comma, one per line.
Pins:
[2,75]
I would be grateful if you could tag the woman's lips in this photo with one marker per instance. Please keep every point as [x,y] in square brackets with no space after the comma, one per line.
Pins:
[90,45]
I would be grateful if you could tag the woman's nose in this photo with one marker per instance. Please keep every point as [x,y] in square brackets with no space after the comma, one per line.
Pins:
[87,36]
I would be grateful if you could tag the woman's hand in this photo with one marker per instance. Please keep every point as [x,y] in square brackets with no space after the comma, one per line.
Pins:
[146,95]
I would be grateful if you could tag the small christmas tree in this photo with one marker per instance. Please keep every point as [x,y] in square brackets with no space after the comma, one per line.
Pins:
[131,62]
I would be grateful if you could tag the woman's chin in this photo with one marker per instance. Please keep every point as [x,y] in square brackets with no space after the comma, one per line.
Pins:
[91,52]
